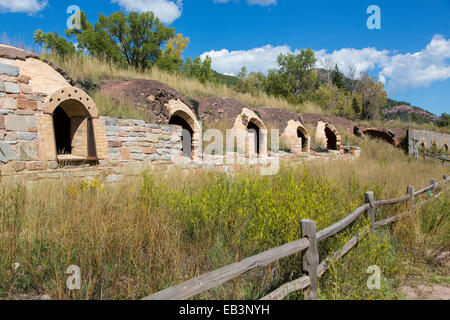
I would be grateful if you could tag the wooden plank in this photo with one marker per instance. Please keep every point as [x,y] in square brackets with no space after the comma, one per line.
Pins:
[389,220]
[213,279]
[341,225]
[378,204]
[288,288]
[310,257]
[304,282]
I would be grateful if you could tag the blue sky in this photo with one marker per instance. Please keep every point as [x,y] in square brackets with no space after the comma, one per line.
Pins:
[410,53]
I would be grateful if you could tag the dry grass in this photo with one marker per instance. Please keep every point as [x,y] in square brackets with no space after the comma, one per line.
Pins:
[82,67]
[147,234]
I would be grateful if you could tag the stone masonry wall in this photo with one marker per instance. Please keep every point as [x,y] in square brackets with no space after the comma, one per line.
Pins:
[18,128]
[428,138]
[136,140]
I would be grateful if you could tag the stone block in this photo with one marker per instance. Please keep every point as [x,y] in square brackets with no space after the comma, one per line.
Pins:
[11,87]
[20,123]
[34,166]
[28,105]
[9,70]
[2,122]
[113,128]
[7,153]
[25,88]
[125,154]
[155,157]
[8,103]
[138,156]
[52,165]
[28,151]
[2,85]
[18,166]
[28,136]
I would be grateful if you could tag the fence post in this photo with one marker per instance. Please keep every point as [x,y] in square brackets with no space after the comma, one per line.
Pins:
[433,183]
[369,199]
[411,190]
[310,257]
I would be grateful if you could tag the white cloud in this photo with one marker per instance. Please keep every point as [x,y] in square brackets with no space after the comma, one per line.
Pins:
[397,71]
[167,11]
[23,6]
[263,3]
[258,59]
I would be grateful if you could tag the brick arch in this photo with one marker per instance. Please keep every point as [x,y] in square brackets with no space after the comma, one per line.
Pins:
[178,109]
[69,128]
[73,95]
[245,121]
[337,136]
[291,137]
[376,133]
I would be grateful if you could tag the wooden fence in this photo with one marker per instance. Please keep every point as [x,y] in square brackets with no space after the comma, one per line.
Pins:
[441,157]
[307,245]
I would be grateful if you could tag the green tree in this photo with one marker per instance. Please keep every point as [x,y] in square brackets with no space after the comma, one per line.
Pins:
[198,69]
[445,120]
[355,106]
[337,78]
[299,72]
[134,39]
[54,43]
[171,59]
[372,95]
[252,83]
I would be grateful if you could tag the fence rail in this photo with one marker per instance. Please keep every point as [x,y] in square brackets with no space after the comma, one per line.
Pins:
[307,245]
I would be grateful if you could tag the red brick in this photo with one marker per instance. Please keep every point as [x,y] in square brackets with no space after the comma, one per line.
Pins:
[125,153]
[149,150]
[115,144]
[26,89]
[27,105]
[24,79]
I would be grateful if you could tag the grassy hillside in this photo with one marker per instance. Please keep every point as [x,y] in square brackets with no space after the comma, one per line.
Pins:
[84,67]
[125,237]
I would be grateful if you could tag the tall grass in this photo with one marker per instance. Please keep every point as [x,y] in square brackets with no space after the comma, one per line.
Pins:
[84,67]
[136,238]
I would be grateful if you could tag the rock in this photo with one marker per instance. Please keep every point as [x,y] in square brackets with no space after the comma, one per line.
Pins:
[11,87]
[20,123]
[8,103]
[7,153]
[2,85]
[18,166]
[9,70]
[52,165]
[28,151]
[27,136]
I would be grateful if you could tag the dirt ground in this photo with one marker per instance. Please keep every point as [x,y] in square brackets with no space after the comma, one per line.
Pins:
[421,289]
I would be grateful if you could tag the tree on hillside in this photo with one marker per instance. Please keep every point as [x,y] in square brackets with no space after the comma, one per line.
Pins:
[355,106]
[372,94]
[171,59]
[445,120]
[198,69]
[299,71]
[337,78]
[252,83]
[134,39]
[55,43]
